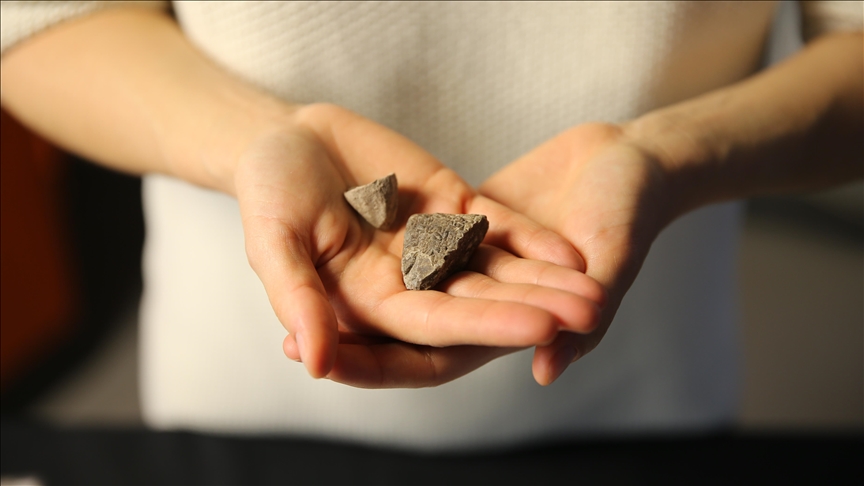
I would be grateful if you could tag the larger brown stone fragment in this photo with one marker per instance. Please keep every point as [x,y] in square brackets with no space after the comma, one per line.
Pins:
[439,245]
[377,201]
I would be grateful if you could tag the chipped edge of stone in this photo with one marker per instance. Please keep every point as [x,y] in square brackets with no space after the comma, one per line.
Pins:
[358,197]
[457,265]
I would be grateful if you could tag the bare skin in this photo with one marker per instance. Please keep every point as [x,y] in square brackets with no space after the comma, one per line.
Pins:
[610,189]
[125,88]
[796,126]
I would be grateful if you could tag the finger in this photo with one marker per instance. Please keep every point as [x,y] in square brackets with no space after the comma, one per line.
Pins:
[505,267]
[524,237]
[438,319]
[572,312]
[283,264]
[289,344]
[289,347]
[551,361]
[402,365]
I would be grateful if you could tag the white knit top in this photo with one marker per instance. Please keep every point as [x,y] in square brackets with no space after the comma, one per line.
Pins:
[476,84]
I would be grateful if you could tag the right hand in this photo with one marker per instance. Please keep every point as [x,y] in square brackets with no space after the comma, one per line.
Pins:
[609,196]
[335,282]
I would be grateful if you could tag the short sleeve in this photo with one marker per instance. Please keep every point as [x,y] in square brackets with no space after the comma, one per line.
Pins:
[21,20]
[822,17]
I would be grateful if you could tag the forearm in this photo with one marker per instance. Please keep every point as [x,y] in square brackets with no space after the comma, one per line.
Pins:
[796,126]
[125,88]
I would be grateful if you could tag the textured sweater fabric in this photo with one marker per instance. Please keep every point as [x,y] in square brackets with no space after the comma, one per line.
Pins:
[478,85]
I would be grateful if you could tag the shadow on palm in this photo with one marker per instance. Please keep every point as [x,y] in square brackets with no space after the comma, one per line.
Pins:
[608,197]
[336,284]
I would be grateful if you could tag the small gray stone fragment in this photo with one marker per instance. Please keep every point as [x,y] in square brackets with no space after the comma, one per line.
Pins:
[377,201]
[439,245]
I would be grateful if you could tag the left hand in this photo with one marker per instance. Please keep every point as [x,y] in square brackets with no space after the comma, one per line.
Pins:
[609,197]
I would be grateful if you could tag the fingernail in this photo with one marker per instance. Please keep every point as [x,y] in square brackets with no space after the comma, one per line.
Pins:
[562,360]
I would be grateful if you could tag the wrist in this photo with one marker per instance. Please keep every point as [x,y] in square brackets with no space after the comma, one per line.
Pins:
[208,155]
[763,134]
[684,154]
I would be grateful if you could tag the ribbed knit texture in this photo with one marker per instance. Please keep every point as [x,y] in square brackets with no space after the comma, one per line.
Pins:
[476,84]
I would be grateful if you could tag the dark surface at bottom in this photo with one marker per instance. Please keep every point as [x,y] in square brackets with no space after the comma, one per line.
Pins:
[92,456]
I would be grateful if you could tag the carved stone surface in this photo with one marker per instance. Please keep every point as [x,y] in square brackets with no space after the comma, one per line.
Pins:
[376,202]
[439,245]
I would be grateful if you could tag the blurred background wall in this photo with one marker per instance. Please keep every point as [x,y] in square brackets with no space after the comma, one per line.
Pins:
[72,236]
[802,289]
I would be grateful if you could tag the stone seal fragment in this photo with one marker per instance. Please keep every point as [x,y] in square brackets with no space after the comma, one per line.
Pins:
[376,202]
[439,245]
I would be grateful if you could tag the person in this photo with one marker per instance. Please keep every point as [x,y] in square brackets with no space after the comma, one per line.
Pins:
[272,104]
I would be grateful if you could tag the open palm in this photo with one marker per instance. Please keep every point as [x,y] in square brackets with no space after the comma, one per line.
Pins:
[335,282]
[608,197]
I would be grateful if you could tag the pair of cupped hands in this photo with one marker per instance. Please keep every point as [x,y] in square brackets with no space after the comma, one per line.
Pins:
[570,224]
